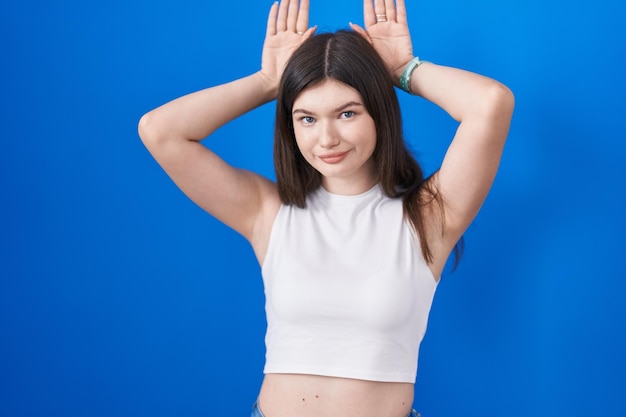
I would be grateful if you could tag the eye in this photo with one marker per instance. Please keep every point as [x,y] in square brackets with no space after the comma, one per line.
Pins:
[307,120]
[347,114]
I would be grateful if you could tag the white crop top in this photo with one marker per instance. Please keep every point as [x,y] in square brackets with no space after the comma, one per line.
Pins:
[347,289]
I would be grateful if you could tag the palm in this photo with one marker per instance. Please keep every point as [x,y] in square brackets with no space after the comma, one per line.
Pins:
[276,52]
[386,28]
[393,43]
[287,29]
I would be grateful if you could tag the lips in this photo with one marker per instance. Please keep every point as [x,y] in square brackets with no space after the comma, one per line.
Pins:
[333,158]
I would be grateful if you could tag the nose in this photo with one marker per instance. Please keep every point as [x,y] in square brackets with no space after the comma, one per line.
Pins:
[329,137]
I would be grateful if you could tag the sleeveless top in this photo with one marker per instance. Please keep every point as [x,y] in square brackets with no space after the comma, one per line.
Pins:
[347,289]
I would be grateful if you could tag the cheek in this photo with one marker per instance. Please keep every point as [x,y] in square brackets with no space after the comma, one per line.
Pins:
[368,135]
[302,141]
[374,142]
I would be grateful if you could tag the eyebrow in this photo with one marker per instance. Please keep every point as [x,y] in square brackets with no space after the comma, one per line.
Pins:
[337,110]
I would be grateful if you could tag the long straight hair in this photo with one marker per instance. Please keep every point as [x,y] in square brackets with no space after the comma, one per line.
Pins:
[346,57]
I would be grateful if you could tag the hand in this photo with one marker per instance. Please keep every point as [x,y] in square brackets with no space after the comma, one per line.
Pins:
[287,29]
[386,28]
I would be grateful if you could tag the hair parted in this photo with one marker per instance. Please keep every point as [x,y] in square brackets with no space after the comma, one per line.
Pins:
[345,56]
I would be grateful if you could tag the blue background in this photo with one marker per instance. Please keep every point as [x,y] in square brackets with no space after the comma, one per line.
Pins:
[120,297]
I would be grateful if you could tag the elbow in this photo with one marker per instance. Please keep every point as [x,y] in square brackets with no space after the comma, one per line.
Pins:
[493,103]
[149,131]
[494,109]
[144,128]
[492,113]
[500,111]
[499,101]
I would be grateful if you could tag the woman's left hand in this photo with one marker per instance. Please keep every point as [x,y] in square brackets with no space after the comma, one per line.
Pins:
[386,28]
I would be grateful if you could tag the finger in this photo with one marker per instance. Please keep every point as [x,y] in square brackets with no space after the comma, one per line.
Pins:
[358,29]
[369,16]
[401,12]
[390,10]
[308,33]
[283,10]
[271,20]
[303,17]
[380,12]
[292,16]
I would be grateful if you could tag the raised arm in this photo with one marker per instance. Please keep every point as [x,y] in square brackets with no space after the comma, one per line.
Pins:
[482,106]
[172,132]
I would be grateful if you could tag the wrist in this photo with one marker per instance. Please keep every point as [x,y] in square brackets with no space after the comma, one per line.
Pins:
[406,74]
[270,85]
[397,73]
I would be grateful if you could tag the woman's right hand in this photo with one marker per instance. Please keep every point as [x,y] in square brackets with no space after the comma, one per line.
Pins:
[287,29]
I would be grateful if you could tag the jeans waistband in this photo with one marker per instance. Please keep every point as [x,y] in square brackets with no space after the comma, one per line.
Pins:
[256,412]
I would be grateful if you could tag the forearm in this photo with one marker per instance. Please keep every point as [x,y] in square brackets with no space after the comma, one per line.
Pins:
[460,93]
[195,116]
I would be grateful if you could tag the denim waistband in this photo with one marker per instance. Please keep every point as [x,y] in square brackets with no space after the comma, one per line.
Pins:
[256,412]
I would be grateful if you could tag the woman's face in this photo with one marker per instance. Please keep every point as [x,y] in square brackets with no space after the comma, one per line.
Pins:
[336,135]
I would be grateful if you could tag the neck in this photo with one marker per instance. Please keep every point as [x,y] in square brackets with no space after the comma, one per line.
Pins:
[348,186]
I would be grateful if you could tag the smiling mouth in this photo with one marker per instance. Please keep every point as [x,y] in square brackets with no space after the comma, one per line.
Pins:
[333,158]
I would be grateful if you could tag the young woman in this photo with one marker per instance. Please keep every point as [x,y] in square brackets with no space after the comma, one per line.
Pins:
[351,238]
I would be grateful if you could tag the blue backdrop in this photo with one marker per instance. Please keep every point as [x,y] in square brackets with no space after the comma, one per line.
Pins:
[120,297]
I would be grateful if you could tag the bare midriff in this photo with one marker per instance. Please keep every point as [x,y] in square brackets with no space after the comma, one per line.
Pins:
[294,395]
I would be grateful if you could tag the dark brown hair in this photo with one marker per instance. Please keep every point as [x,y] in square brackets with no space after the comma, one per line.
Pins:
[348,58]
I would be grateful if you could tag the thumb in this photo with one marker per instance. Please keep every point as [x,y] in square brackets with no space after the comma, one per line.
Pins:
[310,32]
[358,29]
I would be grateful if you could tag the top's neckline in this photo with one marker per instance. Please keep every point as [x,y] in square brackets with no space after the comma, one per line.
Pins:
[327,195]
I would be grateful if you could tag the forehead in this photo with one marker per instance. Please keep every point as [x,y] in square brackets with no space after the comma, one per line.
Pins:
[327,94]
